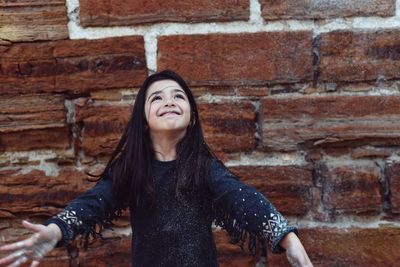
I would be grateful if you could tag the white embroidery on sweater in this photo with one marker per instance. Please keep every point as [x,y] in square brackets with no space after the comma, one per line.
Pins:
[70,218]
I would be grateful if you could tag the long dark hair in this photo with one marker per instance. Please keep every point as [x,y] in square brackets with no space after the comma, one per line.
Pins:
[130,164]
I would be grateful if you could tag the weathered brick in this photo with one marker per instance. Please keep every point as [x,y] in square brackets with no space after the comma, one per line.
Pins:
[358,56]
[348,247]
[102,127]
[330,120]
[113,95]
[199,92]
[73,65]
[252,91]
[287,187]
[365,152]
[241,59]
[101,252]
[32,121]
[230,255]
[108,13]
[34,192]
[229,126]
[394,180]
[322,9]
[31,112]
[49,17]
[352,188]
[25,140]
[109,252]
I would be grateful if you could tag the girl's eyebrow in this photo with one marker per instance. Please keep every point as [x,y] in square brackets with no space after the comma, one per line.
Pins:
[154,93]
[159,91]
[179,90]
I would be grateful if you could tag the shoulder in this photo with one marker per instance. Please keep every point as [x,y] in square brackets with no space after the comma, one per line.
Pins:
[219,169]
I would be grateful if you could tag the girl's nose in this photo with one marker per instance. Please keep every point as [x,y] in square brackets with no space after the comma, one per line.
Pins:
[169,102]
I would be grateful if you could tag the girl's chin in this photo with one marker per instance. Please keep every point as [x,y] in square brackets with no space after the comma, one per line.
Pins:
[169,130]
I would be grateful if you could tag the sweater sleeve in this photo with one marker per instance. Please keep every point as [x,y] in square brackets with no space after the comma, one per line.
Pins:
[244,212]
[80,217]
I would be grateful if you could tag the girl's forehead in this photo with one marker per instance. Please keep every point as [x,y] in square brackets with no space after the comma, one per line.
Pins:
[163,85]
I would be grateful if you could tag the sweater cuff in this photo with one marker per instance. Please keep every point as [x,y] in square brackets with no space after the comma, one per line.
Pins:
[67,233]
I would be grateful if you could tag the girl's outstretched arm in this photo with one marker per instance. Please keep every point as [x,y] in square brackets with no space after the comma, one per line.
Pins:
[295,252]
[33,248]
[241,209]
[93,208]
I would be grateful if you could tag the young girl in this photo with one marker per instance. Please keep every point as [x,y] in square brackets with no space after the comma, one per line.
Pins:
[174,187]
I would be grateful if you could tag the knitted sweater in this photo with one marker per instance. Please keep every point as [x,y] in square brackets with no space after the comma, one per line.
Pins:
[179,233]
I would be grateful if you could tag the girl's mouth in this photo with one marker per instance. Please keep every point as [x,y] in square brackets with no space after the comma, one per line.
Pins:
[170,112]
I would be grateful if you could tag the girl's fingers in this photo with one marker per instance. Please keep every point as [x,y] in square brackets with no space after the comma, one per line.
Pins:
[20,261]
[12,257]
[13,246]
[34,264]
[32,226]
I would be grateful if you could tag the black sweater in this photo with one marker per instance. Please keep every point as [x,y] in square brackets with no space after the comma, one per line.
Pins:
[179,233]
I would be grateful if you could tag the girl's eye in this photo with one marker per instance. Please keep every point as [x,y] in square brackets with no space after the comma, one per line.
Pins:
[180,96]
[155,98]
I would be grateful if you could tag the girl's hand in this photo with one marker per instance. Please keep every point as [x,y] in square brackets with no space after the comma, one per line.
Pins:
[295,252]
[34,248]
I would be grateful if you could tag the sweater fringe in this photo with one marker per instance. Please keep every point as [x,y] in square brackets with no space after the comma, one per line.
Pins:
[236,229]
[94,227]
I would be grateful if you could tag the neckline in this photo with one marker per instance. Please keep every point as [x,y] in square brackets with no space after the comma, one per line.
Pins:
[168,163]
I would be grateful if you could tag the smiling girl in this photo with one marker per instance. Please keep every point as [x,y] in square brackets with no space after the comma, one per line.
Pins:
[174,187]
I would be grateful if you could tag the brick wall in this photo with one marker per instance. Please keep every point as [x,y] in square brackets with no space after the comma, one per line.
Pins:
[299,98]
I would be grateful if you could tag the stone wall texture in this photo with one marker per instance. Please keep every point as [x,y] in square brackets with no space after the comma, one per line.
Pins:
[301,99]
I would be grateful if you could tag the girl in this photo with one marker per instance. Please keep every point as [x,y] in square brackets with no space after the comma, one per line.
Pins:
[174,187]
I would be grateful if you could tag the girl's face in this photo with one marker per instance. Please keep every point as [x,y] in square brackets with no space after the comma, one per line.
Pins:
[167,107]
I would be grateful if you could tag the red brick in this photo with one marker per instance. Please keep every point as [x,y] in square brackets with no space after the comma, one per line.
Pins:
[102,127]
[394,180]
[229,126]
[50,20]
[113,95]
[348,247]
[109,252]
[230,255]
[287,187]
[238,59]
[252,91]
[34,192]
[364,152]
[214,91]
[318,9]
[352,188]
[106,252]
[50,137]
[330,120]
[31,112]
[358,56]
[32,121]
[73,65]
[109,13]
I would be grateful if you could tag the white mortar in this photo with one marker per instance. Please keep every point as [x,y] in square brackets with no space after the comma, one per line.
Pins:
[268,159]
[345,222]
